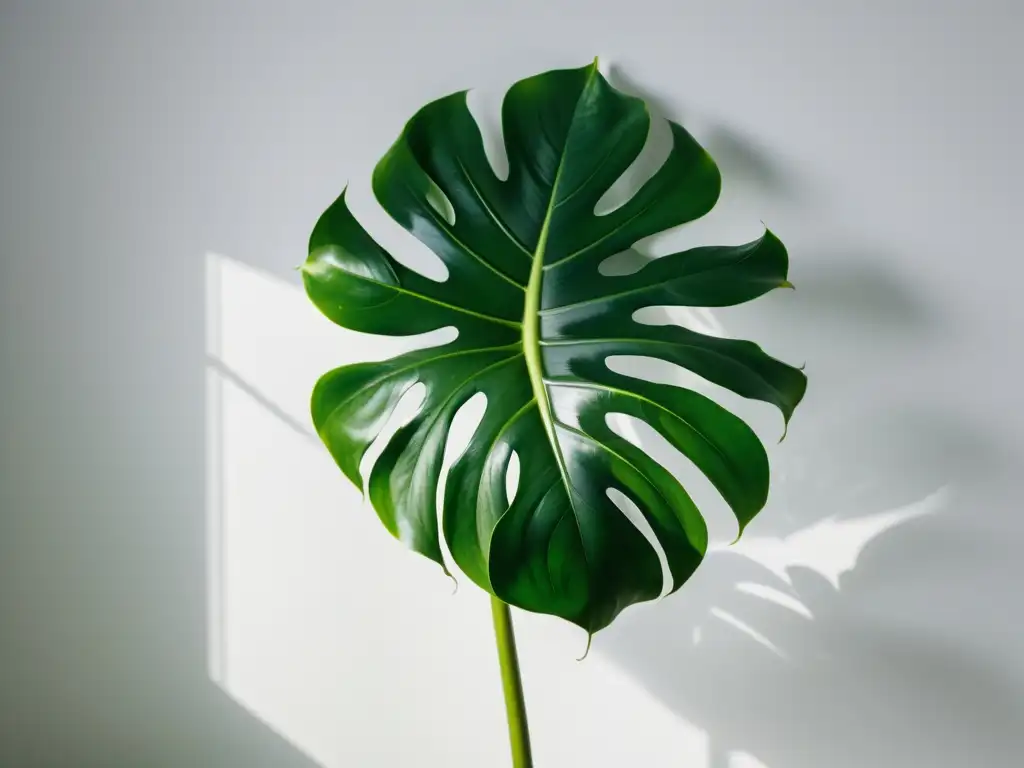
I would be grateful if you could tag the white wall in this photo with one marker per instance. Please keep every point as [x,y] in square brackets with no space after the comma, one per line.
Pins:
[871,616]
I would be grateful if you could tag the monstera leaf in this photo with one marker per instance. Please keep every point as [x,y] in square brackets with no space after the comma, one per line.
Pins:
[536,321]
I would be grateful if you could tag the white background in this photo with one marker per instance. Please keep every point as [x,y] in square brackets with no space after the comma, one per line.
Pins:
[161,167]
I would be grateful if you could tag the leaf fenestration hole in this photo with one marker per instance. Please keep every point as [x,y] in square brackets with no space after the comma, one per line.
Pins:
[439,201]
[624,263]
[385,347]
[720,521]
[653,155]
[761,417]
[408,407]
[392,237]
[636,517]
[699,319]
[728,223]
[512,478]
[464,425]
[485,107]
[654,370]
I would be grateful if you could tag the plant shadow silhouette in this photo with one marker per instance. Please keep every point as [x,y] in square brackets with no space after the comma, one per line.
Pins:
[884,658]
[851,608]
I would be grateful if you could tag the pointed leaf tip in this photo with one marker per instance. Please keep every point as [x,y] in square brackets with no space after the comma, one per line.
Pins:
[739,535]
[590,638]
[787,284]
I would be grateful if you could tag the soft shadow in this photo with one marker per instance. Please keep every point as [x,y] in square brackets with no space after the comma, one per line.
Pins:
[252,391]
[851,625]
[742,159]
[659,106]
[241,738]
[852,288]
[886,658]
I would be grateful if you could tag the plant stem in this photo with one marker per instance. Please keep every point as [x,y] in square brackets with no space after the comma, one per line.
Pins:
[515,707]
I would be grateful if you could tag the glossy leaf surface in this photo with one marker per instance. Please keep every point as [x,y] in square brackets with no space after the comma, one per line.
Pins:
[536,321]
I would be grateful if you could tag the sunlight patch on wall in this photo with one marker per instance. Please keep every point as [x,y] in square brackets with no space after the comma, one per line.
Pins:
[830,547]
[744,760]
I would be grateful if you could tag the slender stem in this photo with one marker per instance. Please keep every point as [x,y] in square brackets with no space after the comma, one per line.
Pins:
[515,707]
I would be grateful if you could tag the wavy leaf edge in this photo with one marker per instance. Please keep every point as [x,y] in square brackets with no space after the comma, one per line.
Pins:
[438,184]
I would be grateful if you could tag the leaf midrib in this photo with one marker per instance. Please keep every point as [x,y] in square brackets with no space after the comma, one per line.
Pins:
[531,318]
[531,326]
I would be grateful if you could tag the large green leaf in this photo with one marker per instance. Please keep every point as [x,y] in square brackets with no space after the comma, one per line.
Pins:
[536,321]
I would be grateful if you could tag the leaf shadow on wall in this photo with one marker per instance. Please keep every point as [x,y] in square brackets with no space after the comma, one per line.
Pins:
[852,624]
[741,158]
[775,651]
